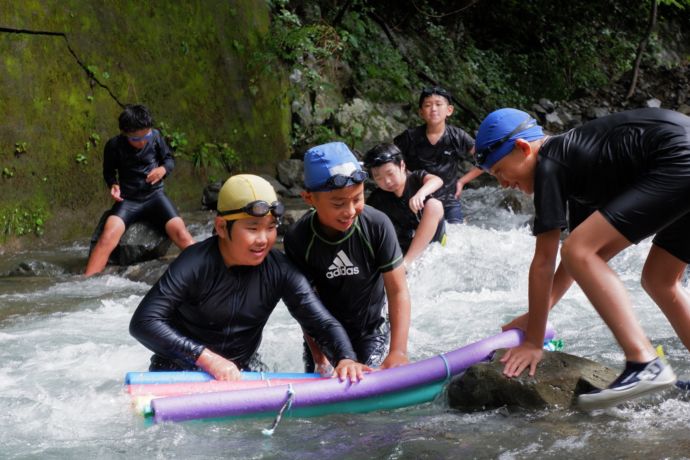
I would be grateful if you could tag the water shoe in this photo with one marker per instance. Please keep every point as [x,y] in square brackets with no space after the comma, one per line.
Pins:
[636,380]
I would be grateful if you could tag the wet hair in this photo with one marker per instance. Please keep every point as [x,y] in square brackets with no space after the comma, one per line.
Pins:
[435,91]
[134,118]
[228,227]
[382,154]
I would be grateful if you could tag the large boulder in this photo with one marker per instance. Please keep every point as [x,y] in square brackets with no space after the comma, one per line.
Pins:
[560,378]
[141,242]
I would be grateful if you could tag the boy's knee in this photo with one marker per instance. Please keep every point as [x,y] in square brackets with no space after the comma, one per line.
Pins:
[571,252]
[655,282]
[435,208]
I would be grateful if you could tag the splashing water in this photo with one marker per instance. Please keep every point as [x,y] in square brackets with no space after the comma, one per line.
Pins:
[65,348]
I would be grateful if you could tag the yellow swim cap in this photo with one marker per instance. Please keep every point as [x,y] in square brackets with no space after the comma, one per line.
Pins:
[239,191]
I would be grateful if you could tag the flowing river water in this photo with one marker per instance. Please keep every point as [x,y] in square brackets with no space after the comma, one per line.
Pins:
[65,348]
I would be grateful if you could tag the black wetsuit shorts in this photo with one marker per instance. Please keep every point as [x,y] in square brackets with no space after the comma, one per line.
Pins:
[157,209]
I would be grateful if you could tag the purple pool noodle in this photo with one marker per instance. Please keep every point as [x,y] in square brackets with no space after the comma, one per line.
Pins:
[240,402]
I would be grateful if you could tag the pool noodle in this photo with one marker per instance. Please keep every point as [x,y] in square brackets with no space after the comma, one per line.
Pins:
[331,391]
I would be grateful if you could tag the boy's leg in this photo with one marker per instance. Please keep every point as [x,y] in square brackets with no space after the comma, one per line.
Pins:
[432,215]
[178,233]
[452,210]
[582,255]
[113,230]
[661,278]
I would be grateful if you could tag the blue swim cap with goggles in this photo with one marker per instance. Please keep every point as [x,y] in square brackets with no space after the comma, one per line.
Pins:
[330,167]
[498,132]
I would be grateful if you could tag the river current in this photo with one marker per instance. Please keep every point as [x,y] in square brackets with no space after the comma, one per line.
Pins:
[65,349]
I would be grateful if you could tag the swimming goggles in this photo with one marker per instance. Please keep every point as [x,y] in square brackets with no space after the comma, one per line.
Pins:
[481,156]
[435,91]
[257,208]
[340,181]
[145,137]
[383,158]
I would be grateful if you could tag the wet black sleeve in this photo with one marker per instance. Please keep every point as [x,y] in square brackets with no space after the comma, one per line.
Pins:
[110,163]
[314,318]
[164,154]
[385,242]
[550,196]
[152,322]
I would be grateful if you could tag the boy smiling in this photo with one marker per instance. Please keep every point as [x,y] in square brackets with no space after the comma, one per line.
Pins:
[350,253]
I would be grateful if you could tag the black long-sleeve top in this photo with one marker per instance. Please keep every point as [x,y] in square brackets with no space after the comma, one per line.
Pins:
[199,303]
[125,165]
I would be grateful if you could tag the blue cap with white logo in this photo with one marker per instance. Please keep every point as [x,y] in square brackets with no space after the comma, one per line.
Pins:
[331,166]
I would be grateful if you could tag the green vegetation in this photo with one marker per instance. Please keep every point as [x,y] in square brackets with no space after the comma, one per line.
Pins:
[20,221]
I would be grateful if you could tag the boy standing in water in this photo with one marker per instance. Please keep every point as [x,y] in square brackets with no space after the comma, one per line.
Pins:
[350,253]
[210,307]
[405,197]
[134,165]
[632,170]
[437,148]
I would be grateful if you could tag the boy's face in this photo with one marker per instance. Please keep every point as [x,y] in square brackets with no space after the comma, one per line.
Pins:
[390,177]
[251,241]
[139,139]
[435,109]
[516,170]
[337,209]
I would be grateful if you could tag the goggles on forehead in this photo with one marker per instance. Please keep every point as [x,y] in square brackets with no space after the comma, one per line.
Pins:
[383,158]
[257,208]
[435,90]
[340,181]
[481,156]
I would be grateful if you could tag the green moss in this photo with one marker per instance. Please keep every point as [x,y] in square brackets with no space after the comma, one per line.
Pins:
[179,60]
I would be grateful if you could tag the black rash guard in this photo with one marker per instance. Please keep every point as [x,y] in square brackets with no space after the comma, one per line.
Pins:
[398,209]
[128,167]
[347,272]
[200,303]
[441,159]
[634,167]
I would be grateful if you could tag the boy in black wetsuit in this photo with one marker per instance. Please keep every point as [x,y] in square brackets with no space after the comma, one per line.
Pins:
[631,170]
[209,309]
[437,148]
[134,165]
[350,253]
[406,198]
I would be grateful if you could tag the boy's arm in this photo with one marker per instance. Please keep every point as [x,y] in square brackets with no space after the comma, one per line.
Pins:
[399,312]
[561,283]
[469,176]
[430,183]
[541,276]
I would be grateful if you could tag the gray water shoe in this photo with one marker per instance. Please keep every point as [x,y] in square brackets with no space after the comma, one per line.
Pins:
[636,380]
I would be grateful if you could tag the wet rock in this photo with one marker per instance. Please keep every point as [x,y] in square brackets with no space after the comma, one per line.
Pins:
[539,111]
[653,102]
[513,202]
[291,172]
[277,186]
[141,242]
[547,104]
[36,268]
[560,378]
[209,197]
[553,122]
[369,122]
[146,272]
[597,112]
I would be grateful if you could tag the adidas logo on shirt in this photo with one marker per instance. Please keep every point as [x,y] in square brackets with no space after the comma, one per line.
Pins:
[341,266]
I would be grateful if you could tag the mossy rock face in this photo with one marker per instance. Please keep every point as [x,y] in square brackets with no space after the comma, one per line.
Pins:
[192,63]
